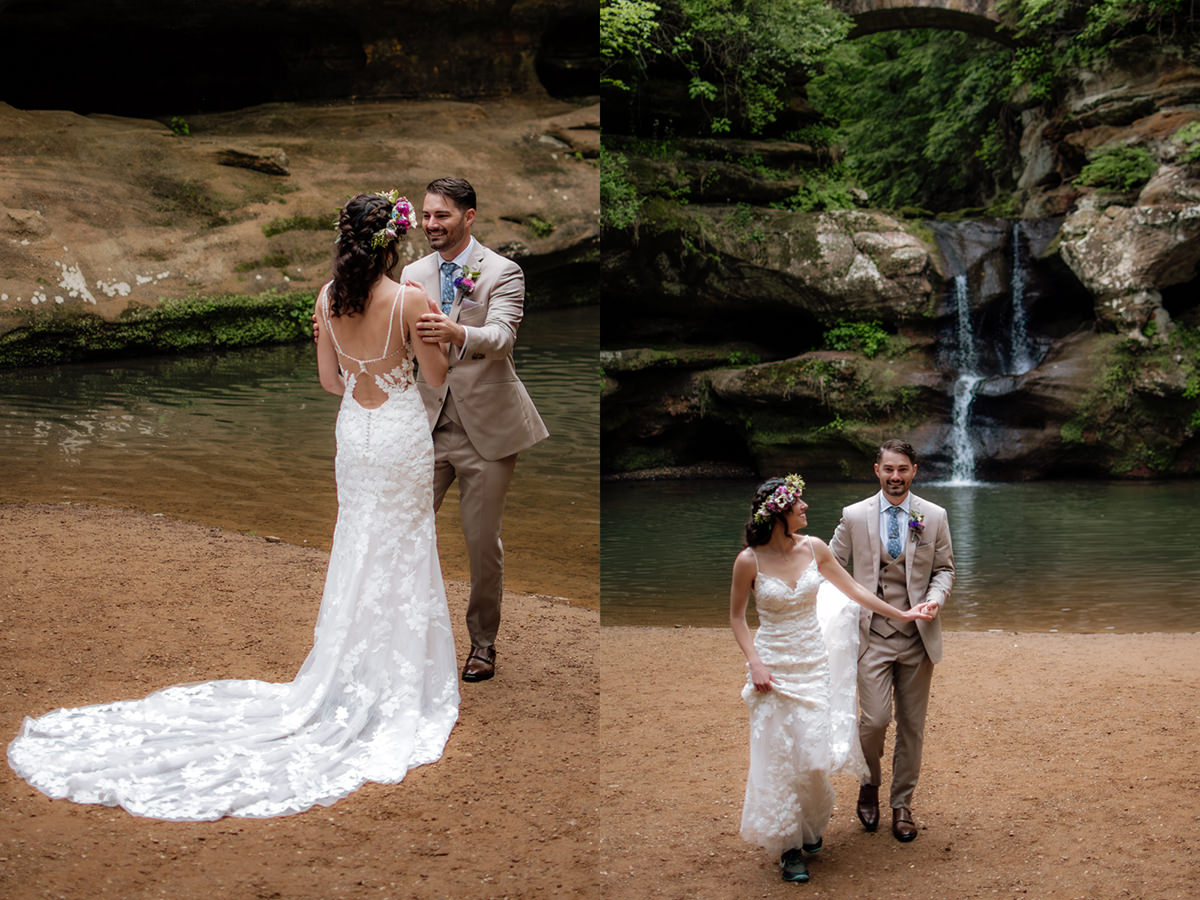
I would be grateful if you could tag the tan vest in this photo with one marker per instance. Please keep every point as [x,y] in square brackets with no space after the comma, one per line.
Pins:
[893,590]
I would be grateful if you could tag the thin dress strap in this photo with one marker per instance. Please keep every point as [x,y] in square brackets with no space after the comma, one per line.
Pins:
[387,341]
[329,321]
[363,363]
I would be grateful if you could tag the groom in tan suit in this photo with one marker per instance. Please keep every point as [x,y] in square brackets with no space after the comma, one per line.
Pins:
[481,416]
[900,545]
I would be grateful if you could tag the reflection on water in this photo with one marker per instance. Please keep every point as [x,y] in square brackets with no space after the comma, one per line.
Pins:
[244,440]
[1045,556]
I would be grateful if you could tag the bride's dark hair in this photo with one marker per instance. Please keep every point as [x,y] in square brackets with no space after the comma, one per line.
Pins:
[356,264]
[758,533]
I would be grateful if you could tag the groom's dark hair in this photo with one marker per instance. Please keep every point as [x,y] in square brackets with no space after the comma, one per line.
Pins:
[456,190]
[895,445]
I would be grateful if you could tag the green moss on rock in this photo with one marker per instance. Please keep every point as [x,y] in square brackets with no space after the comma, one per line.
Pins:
[189,325]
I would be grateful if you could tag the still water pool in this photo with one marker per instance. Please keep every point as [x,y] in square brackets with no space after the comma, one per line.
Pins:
[1044,556]
[244,440]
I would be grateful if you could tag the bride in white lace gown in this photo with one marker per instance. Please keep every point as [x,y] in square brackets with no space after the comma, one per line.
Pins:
[801,683]
[378,693]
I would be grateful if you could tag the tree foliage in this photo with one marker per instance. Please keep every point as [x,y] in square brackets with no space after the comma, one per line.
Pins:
[742,54]
[1059,36]
[740,59]
[626,31]
[920,114]
[619,199]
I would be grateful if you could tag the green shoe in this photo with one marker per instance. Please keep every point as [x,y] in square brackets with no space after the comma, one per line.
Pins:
[793,865]
[812,848]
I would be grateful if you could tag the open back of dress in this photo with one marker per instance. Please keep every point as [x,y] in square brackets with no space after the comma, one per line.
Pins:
[377,695]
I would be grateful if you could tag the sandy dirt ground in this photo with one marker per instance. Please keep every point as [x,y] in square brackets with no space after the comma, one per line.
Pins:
[599,763]
[1056,766]
[100,604]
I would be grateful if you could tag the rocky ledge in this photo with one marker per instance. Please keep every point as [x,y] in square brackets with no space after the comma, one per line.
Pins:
[102,214]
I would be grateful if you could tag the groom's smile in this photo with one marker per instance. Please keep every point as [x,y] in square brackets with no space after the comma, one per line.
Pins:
[895,473]
[446,226]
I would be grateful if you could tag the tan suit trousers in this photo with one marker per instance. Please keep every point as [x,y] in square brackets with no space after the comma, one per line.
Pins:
[894,669]
[482,485]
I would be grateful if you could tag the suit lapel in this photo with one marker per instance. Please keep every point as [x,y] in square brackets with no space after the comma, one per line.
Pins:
[914,538]
[873,535]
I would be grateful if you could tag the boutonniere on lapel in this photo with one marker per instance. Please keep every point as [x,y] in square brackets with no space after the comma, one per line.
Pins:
[467,280]
[916,521]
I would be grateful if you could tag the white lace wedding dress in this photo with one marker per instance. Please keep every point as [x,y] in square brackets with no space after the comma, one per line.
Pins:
[377,695]
[806,727]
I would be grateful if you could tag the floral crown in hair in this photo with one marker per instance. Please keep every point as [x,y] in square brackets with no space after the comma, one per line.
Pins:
[402,219]
[782,498]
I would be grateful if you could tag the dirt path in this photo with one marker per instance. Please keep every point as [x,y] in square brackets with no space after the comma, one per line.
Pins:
[99,604]
[1057,766]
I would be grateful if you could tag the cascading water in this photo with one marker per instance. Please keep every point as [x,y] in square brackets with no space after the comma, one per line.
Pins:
[1021,351]
[966,360]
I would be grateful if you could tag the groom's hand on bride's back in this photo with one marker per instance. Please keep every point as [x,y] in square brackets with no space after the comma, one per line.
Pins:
[316,329]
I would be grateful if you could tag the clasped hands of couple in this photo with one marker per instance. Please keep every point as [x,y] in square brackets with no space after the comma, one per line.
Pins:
[762,678]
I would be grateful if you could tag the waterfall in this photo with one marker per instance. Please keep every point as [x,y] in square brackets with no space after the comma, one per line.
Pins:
[966,358]
[1021,357]
[962,452]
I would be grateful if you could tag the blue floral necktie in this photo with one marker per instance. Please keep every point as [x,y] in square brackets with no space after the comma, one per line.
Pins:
[448,269]
[893,544]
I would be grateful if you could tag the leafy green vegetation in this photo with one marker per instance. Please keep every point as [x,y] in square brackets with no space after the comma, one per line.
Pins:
[540,227]
[188,325]
[1059,36]
[830,188]
[1120,168]
[738,56]
[867,338]
[919,118]
[619,200]
[1189,137]
[1125,411]
[179,126]
[920,115]
[626,29]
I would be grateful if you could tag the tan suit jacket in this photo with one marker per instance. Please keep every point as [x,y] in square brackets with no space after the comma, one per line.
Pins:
[928,560]
[492,403]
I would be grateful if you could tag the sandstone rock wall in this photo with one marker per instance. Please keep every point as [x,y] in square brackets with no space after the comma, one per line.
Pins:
[732,303]
[100,213]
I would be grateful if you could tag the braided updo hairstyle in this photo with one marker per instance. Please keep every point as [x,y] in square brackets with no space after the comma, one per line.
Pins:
[356,264]
[758,533]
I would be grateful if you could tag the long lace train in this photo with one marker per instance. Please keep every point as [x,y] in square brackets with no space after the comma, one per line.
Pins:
[376,696]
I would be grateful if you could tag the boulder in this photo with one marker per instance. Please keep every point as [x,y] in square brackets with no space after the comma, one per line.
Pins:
[1126,256]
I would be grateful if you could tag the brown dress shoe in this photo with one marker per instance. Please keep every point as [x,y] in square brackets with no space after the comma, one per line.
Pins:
[903,828]
[868,806]
[480,664]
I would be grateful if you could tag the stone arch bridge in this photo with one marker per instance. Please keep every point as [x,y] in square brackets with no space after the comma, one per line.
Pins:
[972,16]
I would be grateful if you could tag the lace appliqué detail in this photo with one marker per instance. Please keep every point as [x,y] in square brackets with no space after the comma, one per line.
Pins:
[805,728]
[377,695]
